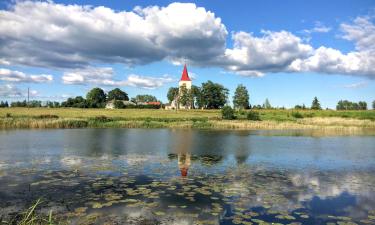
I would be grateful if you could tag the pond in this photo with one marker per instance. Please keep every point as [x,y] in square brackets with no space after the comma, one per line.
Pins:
[176,176]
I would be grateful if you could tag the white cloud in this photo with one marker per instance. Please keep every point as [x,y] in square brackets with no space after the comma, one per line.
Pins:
[318,28]
[71,36]
[78,37]
[273,52]
[17,76]
[356,85]
[104,76]
[11,91]
[332,61]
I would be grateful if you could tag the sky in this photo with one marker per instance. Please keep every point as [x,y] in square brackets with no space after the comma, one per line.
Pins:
[286,51]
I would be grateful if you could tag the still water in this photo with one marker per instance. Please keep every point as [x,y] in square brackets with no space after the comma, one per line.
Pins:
[166,176]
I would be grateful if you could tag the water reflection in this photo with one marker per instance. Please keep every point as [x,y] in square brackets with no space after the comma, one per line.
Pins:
[188,177]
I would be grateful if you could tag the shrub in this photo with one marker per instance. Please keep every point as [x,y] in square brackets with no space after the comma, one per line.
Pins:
[101,119]
[227,113]
[47,116]
[119,105]
[252,115]
[8,115]
[297,115]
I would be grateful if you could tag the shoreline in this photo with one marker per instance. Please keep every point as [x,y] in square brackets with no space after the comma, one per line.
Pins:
[50,118]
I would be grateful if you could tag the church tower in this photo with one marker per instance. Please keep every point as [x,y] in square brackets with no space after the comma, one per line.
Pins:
[184,81]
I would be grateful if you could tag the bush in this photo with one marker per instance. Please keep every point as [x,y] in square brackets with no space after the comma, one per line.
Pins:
[101,119]
[119,105]
[46,116]
[252,115]
[297,115]
[227,113]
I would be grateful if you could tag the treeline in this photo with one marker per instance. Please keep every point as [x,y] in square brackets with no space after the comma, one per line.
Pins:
[348,105]
[95,98]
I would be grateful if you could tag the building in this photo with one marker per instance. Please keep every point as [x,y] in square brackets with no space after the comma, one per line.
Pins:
[184,81]
[111,104]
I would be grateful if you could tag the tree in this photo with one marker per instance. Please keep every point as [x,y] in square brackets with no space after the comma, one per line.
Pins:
[214,95]
[315,104]
[119,104]
[172,94]
[267,104]
[185,97]
[144,98]
[117,94]
[362,105]
[373,104]
[227,113]
[77,102]
[96,98]
[241,97]
[196,93]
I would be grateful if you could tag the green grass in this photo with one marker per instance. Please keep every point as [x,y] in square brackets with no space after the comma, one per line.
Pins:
[153,118]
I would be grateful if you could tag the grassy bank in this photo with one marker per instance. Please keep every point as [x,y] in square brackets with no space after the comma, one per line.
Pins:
[146,118]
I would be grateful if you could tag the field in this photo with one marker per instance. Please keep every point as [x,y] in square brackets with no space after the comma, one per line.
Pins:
[211,119]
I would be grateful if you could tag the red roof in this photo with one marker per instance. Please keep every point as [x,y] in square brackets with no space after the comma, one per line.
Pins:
[185,76]
[184,172]
[153,103]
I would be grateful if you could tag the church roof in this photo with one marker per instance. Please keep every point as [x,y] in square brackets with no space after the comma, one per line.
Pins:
[185,76]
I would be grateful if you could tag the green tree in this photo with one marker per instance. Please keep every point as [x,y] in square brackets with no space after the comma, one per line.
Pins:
[362,105]
[144,98]
[373,104]
[117,94]
[241,97]
[96,98]
[172,94]
[118,104]
[315,104]
[227,113]
[267,104]
[214,95]
[196,93]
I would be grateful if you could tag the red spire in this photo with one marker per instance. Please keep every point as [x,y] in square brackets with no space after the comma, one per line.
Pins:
[185,76]
[184,172]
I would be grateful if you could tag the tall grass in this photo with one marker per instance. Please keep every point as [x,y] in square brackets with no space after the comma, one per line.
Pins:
[31,217]
[147,118]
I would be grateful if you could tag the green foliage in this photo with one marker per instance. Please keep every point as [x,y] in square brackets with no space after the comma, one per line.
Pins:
[117,94]
[172,94]
[373,104]
[241,97]
[47,116]
[4,104]
[196,93]
[185,97]
[267,104]
[348,105]
[227,113]
[315,104]
[96,98]
[51,104]
[77,102]
[144,98]
[253,115]
[300,106]
[119,104]
[214,95]
[297,115]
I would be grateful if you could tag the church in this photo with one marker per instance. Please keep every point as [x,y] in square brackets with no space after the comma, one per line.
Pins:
[184,81]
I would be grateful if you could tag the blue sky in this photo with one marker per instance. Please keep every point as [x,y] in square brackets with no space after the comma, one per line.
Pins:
[286,51]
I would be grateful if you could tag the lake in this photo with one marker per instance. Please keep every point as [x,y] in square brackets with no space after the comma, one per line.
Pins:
[175,176]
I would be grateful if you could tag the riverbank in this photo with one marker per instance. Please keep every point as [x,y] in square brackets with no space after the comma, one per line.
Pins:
[41,118]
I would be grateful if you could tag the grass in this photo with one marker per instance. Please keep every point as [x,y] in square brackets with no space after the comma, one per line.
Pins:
[208,119]
[31,217]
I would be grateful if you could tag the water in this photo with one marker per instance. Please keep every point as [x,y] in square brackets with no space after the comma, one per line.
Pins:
[166,176]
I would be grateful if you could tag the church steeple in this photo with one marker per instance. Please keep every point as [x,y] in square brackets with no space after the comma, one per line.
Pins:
[185,75]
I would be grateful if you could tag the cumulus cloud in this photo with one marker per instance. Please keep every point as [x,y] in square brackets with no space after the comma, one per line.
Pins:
[74,38]
[17,76]
[332,61]
[71,36]
[105,76]
[11,91]
[273,52]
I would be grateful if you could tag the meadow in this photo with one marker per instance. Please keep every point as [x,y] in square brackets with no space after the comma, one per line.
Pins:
[158,118]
